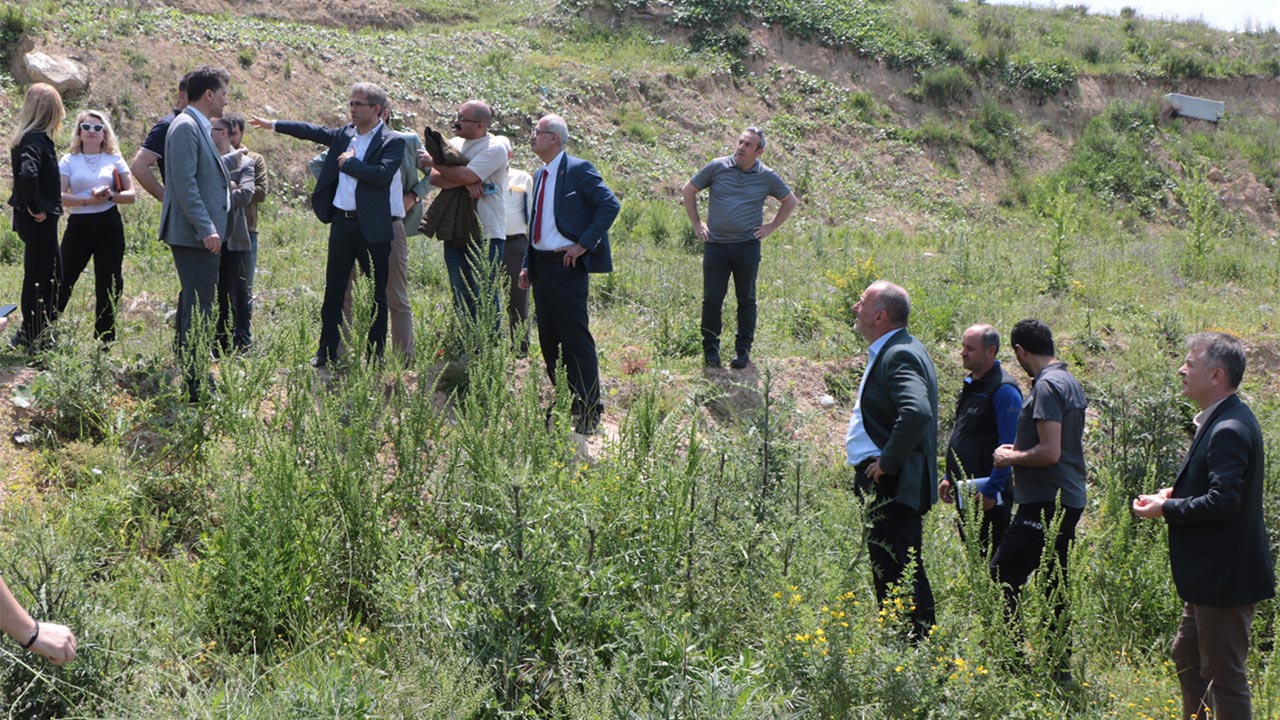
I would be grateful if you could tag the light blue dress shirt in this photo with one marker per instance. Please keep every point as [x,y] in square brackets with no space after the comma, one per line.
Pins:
[857,443]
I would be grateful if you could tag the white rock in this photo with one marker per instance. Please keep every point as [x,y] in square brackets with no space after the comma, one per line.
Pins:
[827,401]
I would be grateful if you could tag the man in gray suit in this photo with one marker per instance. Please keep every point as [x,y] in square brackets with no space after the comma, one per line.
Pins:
[892,443]
[197,200]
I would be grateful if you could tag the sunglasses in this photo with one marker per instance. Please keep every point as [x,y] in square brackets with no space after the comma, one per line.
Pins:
[91,127]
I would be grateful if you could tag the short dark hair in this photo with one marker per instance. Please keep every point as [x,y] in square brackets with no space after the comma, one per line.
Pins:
[236,120]
[223,123]
[182,83]
[373,94]
[1034,336]
[1221,351]
[205,78]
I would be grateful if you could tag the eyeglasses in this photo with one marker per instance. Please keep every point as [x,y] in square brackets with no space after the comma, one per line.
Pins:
[91,127]
[219,131]
[357,103]
[459,118]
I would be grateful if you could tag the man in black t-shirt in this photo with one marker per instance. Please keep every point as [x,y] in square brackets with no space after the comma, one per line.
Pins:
[151,154]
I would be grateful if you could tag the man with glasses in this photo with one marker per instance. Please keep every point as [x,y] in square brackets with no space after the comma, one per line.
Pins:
[735,226]
[568,239]
[235,243]
[242,333]
[360,195]
[472,268]
[398,304]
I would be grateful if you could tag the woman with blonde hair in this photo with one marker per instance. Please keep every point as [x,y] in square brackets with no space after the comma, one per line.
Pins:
[95,180]
[37,203]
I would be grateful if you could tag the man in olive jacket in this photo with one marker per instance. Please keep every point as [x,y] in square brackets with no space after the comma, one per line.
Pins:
[892,443]
[1218,548]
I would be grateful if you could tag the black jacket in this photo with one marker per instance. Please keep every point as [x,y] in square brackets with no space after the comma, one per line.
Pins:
[373,174]
[36,182]
[1217,540]
[452,216]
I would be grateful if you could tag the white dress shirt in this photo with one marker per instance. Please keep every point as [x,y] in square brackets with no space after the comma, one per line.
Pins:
[550,239]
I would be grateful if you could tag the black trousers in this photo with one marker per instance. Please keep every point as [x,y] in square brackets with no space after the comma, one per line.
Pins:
[993,524]
[41,275]
[233,285]
[560,300]
[99,236]
[1018,555]
[348,248]
[894,535]
[720,261]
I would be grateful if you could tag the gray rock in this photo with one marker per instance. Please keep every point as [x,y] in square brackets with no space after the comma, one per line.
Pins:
[68,76]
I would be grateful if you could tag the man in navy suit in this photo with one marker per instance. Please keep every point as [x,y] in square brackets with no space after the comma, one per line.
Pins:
[1218,547]
[197,201]
[360,195]
[569,238]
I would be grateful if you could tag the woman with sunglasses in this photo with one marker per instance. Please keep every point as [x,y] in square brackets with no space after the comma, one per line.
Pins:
[36,205]
[95,180]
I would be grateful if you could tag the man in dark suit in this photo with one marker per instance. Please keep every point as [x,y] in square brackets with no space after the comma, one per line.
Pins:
[197,200]
[1218,546]
[892,443]
[359,194]
[569,238]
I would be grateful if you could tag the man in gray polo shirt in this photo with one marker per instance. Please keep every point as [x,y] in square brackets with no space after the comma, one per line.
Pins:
[735,226]
[1047,457]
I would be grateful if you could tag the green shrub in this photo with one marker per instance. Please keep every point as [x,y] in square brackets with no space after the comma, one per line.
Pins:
[1113,158]
[996,134]
[1185,65]
[944,86]
[14,23]
[1044,78]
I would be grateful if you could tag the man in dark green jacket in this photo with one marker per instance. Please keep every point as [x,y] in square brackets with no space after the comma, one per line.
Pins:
[892,443]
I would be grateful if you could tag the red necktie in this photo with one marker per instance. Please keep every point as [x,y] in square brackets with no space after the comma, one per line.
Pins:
[537,208]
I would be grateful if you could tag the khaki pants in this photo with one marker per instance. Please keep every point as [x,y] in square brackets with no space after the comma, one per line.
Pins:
[397,297]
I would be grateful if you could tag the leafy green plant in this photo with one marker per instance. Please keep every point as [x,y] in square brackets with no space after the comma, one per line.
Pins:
[1204,219]
[997,137]
[944,86]
[1064,224]
[1114,161]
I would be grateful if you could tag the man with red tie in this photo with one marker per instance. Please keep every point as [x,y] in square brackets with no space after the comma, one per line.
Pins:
[569,238]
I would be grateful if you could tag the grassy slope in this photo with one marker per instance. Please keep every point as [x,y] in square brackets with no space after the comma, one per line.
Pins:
[162,517]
